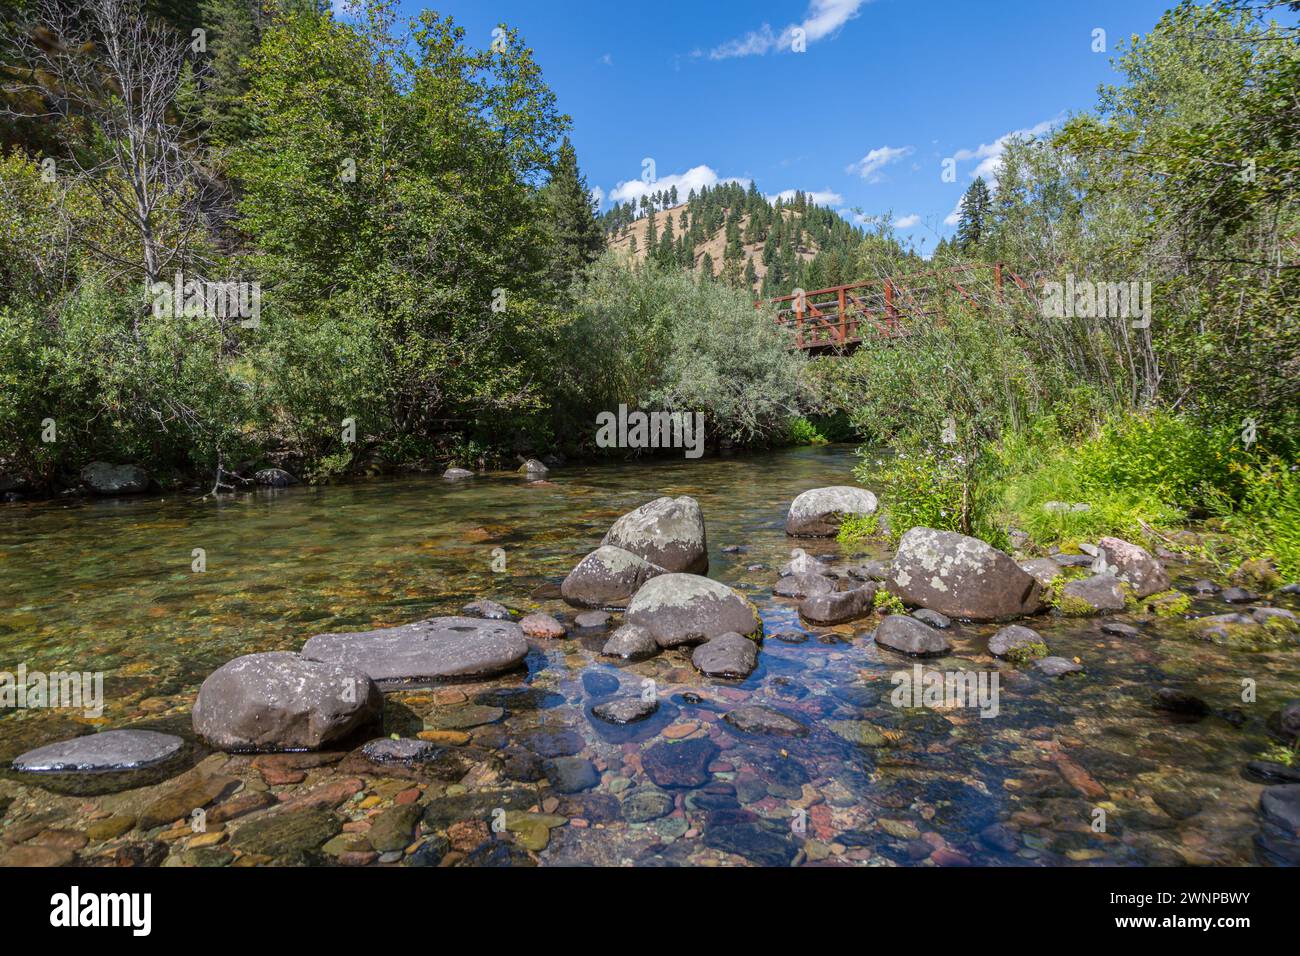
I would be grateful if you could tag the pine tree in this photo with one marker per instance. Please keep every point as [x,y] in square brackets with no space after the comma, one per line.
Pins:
[575,233]
[971,225]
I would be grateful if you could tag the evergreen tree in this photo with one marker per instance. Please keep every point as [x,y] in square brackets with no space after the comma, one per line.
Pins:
[975,207]
[575,233]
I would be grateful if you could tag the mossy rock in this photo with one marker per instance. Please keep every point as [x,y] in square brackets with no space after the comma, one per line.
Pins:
[1169,604]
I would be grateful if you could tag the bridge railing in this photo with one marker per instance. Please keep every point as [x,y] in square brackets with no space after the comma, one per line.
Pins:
[843,316]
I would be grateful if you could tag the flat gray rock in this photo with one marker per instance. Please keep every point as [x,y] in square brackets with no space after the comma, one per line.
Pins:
[591,620]
[108,751]
[907,635]
[405,750]
[933,618]
[274,478]
[682,609]
[803,585]
[440,648]
[1057,666]
[727,655]
[668,532]
[756,719]
[457,474]
[284,701]
[819,512]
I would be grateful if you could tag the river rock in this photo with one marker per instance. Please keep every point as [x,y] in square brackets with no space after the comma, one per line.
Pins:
[284,701]
[607,577]
[110,750]
[961,577]
[1057,666]
[1017,643]
[105,479]
[1042,570]
[838,607]
[668,532]
[907,635]
[541,626]
[819,512]
[1176,701]
[1099,594]
[457,474]
[933,618]
[488,610]
[680,764]
[631,643]
[600,683]
[1279,837]
[274,478]
[682,609]
[645,804]
[625,710]
[802,563]
[440,648]
[571,774]
[534,469]
[591,620]
[727,655]
[803,585]
[404,750]
[289,838]
[1119,629]
[1289,719]
[1135,566]
[756,719]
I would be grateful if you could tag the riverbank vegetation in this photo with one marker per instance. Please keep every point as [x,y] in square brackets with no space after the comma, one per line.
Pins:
[425,253]
[1009,417]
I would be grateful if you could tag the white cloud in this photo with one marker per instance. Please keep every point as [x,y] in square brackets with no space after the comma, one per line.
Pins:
[695,178]
[597,196]
[870,165]
[990,154]
[820,198]
[953,217]
[823,18]
[907,222]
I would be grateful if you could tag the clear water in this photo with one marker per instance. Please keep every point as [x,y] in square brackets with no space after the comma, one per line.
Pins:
[108,586]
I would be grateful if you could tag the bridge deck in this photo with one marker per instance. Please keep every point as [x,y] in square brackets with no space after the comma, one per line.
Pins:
[840,318]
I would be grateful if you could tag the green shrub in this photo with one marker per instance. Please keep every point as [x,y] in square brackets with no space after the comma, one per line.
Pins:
[855,528]
[804,432]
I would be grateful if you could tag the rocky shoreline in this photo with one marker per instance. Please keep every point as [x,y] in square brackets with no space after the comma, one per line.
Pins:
[431,743]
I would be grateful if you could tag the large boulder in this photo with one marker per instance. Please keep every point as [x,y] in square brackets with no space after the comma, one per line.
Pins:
[907,635]
[274,478]
[668,532]
[440,648]
[961,577]
[105,479]
[284,701]
[818,512]
[608,577]
[838,607]
[1134,566]
[688,609]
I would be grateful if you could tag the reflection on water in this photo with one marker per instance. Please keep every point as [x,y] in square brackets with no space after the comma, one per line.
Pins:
[108,586]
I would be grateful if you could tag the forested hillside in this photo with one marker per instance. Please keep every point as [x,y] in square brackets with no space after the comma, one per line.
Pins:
[739,236]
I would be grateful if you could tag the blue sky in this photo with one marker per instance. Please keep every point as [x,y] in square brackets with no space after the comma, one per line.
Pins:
[882,93]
